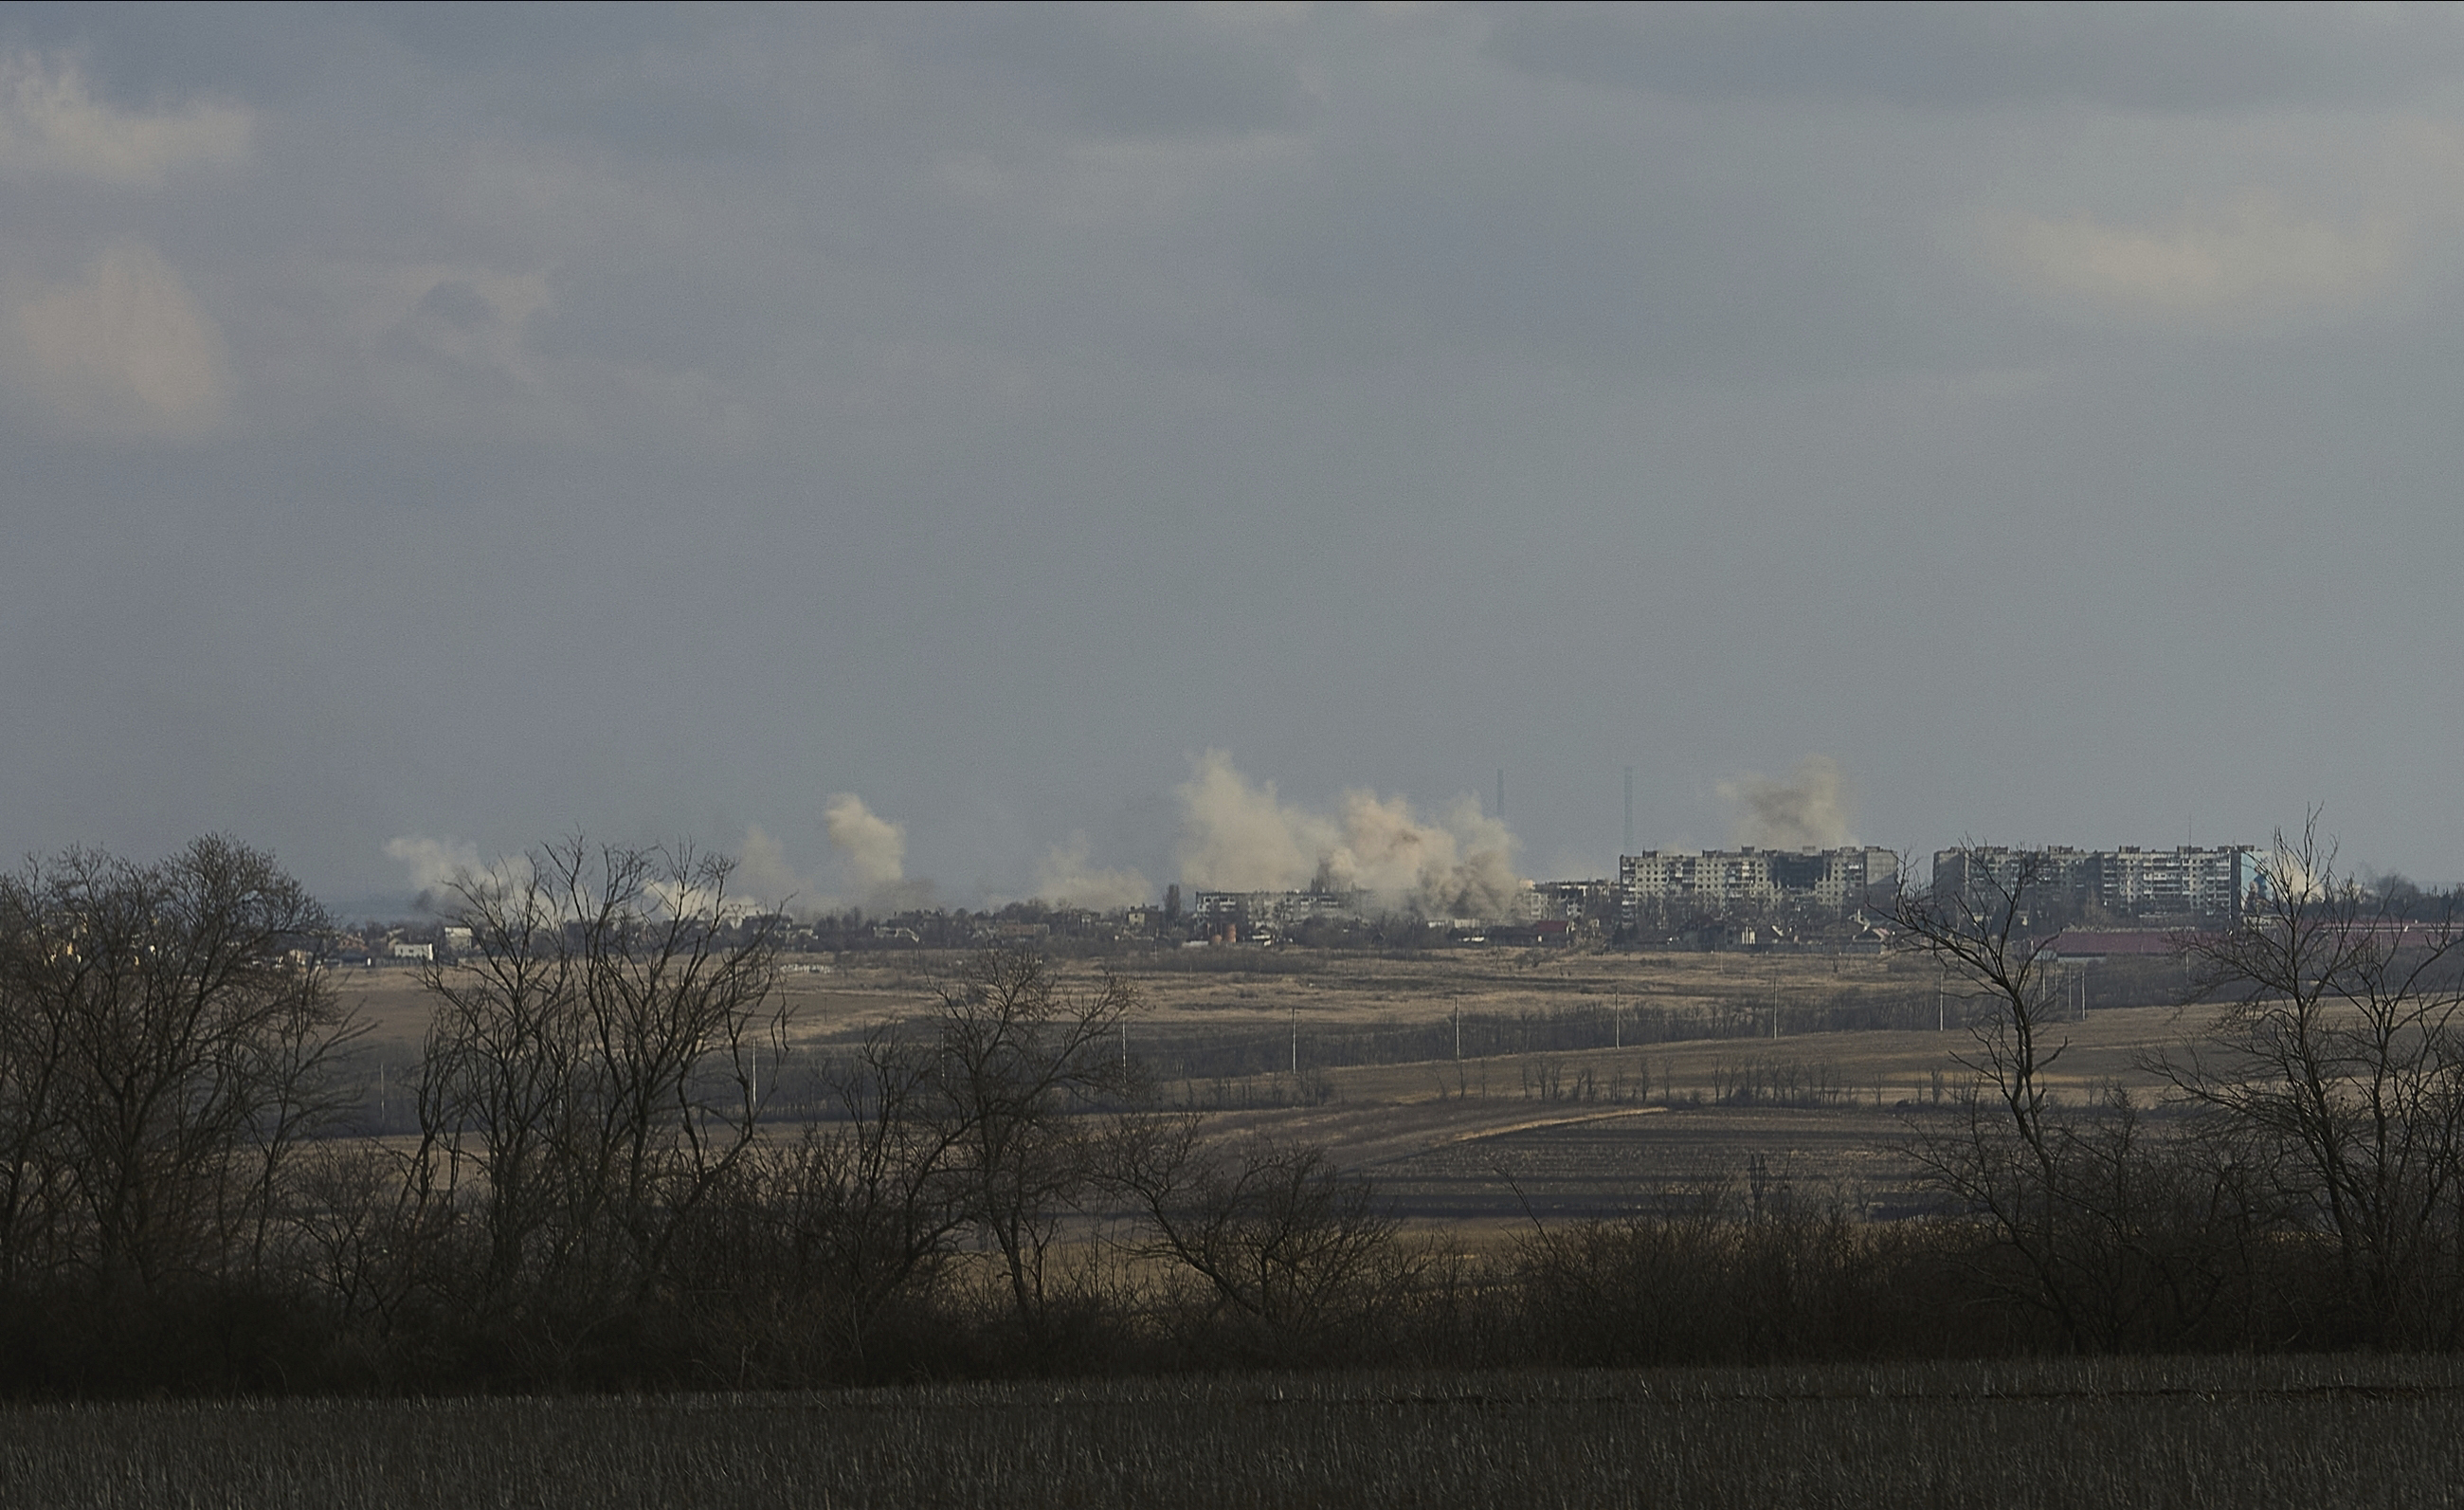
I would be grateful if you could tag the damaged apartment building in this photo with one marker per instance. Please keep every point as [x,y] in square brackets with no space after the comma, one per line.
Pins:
[2128,883]
[1723,882]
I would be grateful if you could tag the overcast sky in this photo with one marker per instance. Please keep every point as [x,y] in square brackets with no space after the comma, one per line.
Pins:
[453,428]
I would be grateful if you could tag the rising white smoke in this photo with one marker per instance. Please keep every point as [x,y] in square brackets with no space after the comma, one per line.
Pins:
[871,849]
[871,852]
[444,871]
[1066,878]
[1236,836]
[765,877]
[1239,835]
[435,864]
[1807,811]
[872,856]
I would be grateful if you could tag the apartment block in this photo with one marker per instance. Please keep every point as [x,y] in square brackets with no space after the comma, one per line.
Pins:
[1722,881]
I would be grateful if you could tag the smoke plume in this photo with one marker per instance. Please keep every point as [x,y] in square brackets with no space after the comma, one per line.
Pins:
[1807,811]
[1067,878]
[763,875]
[435,864]
[442,869]
[872,855]
[1239,835]
[872,852]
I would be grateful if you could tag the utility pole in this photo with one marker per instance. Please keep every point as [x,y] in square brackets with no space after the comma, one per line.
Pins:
[1457,1027]
[1296,1043]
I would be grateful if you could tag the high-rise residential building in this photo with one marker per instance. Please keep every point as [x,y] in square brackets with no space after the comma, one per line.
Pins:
[2129,882]
[1722,881]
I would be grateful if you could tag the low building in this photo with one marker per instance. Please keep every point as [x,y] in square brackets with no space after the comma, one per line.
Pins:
[1281,910]
[1574,901]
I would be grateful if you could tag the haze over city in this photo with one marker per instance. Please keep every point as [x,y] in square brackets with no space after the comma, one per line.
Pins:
[959,454]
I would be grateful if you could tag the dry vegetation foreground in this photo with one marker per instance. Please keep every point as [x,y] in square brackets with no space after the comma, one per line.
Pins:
[637,1169]
[1477,1145]
[2165,1432]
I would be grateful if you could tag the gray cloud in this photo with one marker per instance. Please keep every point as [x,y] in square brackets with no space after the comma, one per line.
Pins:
[1147,71]
[118,348]
[52,124]
[655,423]
[2157,57]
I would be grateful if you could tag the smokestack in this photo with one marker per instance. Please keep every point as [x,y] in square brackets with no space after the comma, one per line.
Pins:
[1629,811]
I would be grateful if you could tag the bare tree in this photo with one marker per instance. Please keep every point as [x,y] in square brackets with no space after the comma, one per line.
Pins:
[2002,1161]
[1296,1255]
[591,1062]
[165,1040]
[865,1212]
[970,1121]
[1015,1053]
[1979,934]
[2117,1233]
[2338,1050]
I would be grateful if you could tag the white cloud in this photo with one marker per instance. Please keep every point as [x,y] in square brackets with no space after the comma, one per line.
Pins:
[2254,257]
[51,122]
[121,348]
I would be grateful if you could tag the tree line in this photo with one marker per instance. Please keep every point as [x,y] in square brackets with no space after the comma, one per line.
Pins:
[2302,1176]
[585,1195]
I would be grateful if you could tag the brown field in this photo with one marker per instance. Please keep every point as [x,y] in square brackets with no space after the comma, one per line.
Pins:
[1230,990]
[1478,1140]
[1483,1140]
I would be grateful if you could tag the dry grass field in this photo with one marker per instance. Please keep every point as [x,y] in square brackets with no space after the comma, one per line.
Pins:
[1540,1118]
[1259,992]
[1556,1132]
[2375,1431]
